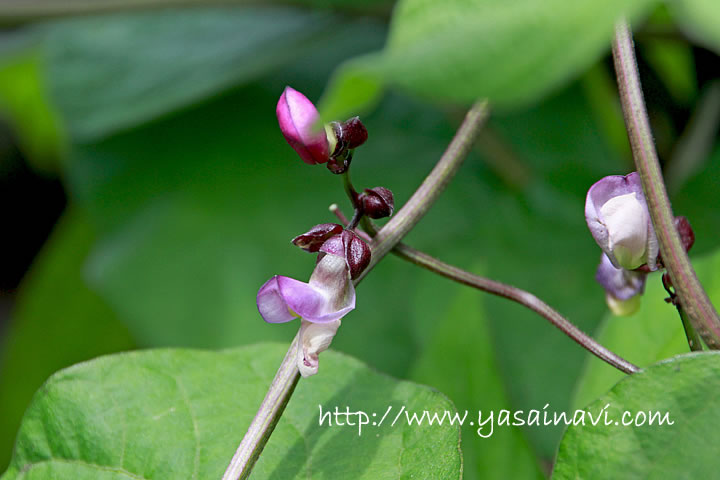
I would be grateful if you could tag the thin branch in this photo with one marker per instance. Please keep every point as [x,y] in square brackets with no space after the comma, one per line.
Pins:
[493,287]
[693,298]
[283,385]
[421,201]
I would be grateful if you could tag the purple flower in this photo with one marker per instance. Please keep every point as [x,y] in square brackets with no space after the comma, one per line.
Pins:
[622,287]
[618,219]
[328,296]
[299,122]
[322,302]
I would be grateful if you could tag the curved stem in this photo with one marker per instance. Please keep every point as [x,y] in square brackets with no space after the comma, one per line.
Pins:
[423,198]
[515,294]
[693,298]
[283,385]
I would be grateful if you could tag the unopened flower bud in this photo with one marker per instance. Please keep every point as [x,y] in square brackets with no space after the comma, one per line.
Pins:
[312,240]
[618,219]
[298,119]
[354,133]
[377,202]
[353,248]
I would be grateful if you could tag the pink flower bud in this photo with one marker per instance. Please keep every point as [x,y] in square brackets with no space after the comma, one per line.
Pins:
[299,123]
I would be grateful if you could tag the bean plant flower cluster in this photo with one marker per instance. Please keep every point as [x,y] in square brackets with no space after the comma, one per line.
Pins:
[618,218]
[342,255]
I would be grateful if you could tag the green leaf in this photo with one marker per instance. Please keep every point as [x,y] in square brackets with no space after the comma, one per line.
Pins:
[654,333]
[461,50]
[108,73]
[685,389]
[460,343]
[57,321]
[24,104]
[181,414]
[700,19]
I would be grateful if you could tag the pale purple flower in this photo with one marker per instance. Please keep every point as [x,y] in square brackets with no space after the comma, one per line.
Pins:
[618,219]
[328,296]
[321,302]
[300,125]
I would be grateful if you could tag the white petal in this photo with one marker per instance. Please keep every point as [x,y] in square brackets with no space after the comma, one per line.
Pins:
[627,224]
[314,339]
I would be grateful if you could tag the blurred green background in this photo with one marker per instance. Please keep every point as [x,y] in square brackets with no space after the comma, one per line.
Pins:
[148,192]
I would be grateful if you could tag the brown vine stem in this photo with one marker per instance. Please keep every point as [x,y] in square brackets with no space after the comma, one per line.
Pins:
[693,299]
[287,376]
[526,299]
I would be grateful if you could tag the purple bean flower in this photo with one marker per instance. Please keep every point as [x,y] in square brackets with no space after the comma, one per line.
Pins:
[300,125]
[321,303]
[623,288]
[618,219]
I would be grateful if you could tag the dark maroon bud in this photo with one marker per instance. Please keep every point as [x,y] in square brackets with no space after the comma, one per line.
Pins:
[357,253]
[377,202]
[354,133]
[687,236]
[312,240]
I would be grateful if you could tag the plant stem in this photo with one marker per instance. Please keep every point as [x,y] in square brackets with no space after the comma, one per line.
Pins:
[423,198]
[693,298]
[693,339]
[283,385]
[493,287]
[269,413]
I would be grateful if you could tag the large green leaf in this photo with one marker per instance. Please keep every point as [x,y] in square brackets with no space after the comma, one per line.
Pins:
[179,414]
[56,322]
[113,72]
[461,50]
[682,390]
[654,333]
[460,360]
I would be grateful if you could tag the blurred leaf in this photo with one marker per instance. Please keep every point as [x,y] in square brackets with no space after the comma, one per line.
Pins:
[459,360]
[57,321]
[27,10]
[675,65]
[461,50]
[600,87]
[684,388]
[108,73]
[700,19]
[698,200]
[24,105]
[183,411]
[652,334]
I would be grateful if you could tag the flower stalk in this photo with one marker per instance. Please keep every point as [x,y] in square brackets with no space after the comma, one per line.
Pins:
[693,299]
[514,294]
